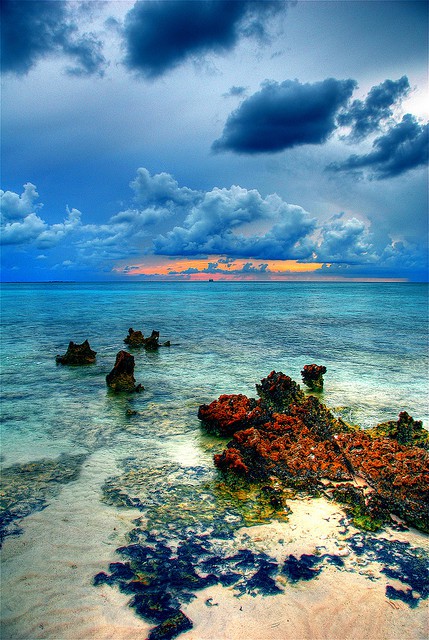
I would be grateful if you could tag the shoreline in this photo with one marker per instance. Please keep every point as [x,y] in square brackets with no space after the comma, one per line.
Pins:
[340,603]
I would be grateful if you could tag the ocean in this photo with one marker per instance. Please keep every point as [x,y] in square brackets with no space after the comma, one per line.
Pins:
[81,465]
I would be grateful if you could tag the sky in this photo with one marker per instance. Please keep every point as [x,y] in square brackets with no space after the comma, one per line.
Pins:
[214,139]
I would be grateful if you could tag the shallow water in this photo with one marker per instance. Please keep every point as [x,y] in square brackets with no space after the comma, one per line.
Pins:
[224,338]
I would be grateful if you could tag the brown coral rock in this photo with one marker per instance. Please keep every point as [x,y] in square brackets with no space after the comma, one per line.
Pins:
[77,354]
[296,439]
[121,378]
[312,376]
[398,473]
[230,413]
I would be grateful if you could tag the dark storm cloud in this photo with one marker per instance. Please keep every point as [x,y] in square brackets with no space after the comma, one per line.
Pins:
[282,116]
[403,148]
[161,35]
[35,29]
[364,116]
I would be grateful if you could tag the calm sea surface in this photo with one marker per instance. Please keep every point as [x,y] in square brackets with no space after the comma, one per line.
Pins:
[225,337]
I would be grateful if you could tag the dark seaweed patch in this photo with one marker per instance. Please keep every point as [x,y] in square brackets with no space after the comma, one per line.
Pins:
[27,488]
[406,596]
[262,581]
[171,627]
[304,568]
[160,577]
[401,562]
[301,568]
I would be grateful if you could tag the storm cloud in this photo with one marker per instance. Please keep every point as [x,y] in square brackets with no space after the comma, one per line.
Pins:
[404,147]
[365,116]
[159,35]
[282,116]
[34,30]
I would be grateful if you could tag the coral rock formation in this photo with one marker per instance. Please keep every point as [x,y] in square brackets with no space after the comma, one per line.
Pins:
[230,413]
[121,378]
[136,339]
[297,441]
[77,354]
[312,376]
[405,430]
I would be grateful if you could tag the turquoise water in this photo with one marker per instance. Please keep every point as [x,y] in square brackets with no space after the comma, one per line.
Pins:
[225,337]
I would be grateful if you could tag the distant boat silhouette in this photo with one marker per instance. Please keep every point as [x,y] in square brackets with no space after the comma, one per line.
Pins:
[211,280]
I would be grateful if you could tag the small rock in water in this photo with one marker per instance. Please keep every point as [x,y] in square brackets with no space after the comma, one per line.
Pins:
[136,339]
[121,378]
[312,376]
[77,354]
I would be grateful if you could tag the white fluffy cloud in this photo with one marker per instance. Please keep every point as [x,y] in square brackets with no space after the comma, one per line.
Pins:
[220,224]
[160,190]
[169,220]
[15,207]
[20,225]
[345,240]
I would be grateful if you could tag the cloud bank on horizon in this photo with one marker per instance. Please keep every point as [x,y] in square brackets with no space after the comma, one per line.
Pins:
[221,202]
[224,224]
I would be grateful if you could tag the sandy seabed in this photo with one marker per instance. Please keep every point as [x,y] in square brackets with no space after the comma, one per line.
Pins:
[47,574]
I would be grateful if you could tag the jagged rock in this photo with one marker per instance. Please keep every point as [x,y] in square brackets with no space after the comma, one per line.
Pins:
[121,378]
[152,343]
[405,430]
[230,413]
[297,440]
[77,354]
[134,338]
[318,418]
[278,391]
[312,376]
[287,449]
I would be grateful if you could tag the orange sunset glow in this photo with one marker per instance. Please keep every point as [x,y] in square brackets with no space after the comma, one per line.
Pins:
[218,268]
[221,269]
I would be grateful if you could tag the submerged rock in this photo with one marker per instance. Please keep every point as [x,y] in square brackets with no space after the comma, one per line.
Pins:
[28,487]
[121,378]
[77,354]
[312,376]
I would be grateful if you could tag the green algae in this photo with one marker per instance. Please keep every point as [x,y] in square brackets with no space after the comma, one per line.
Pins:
[405,430]
[27,487]
[179,497]
[366,522]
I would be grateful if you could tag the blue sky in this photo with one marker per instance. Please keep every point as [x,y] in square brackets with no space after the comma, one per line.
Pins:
[226,139]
